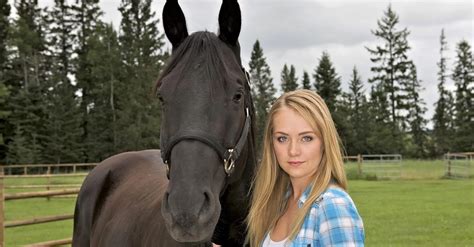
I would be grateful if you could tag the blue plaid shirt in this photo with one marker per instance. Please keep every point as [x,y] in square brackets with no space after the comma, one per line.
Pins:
[333,220]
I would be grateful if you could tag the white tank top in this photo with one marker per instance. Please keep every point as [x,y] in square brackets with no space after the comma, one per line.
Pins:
[268,242]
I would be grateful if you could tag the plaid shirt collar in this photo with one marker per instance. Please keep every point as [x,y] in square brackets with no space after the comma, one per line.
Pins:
[307,192]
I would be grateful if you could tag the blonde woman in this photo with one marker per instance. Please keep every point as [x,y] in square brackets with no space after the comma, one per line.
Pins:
[299,192]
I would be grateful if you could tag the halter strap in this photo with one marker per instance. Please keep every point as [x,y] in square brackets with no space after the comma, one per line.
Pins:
[228,155]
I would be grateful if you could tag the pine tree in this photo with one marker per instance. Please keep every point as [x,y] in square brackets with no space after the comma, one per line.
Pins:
[380,140]
[263,91]
[328,86]
[415,119]
[87,15]
[142,55]
[104,57]
[390,68]
[357,116]
[306,83]
[442,119]
[4,93]
[27,86]
[4,28]
[63,132]
[327,82]
[463,77]
[289,81]
[3,117]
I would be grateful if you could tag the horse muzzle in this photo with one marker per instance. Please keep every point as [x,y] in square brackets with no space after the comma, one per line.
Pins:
[191,217]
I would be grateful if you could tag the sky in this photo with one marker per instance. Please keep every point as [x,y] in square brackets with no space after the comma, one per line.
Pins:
[298,31]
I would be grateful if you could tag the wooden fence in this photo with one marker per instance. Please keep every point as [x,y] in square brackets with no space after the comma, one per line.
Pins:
[26,195]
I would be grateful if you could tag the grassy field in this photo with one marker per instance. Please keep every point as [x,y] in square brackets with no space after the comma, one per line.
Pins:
[416,212]
[415,208]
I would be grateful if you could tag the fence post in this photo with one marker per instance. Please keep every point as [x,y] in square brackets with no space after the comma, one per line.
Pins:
[2,214]
[449,168]
[48,179]
[359,164]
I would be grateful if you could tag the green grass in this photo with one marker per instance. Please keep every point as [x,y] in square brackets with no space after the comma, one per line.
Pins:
[416,212]
[416,209]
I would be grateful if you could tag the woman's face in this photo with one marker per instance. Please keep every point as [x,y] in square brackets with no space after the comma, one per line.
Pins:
[297,148]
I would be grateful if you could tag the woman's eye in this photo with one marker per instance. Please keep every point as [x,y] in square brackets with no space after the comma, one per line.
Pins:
[281,138]
[307,138]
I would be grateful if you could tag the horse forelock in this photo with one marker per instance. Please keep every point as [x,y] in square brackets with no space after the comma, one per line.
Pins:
[207,47]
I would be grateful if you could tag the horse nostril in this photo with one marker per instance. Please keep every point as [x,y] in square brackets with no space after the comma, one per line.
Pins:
[207,201]
[165,200]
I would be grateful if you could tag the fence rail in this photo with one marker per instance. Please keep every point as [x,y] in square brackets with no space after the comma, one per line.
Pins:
[52,243]
[26,195]
[41,186]
[381,158]
[45,168]
[47,175]
[39,220]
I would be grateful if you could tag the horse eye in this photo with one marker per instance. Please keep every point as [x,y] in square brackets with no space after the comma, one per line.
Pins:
[160,98]
[237,97]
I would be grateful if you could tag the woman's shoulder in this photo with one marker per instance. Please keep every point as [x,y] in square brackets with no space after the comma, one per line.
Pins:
[334,194]
[335,200]
[335,203]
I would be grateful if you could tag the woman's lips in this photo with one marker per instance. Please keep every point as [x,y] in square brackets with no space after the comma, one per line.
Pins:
[295,163]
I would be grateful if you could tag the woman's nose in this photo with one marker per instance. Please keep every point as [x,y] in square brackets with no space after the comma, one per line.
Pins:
[294,148]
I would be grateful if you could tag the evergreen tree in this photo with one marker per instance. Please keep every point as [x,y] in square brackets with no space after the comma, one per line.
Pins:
[357,116]
[142,55]
[4,28]
[306,83]
[19,150]
[104,57]
[463,77]
[27,85]
[327,82]
[289,81]
[380,141]
[263,91]
[3,117]
[415,119]
[390,68]
[63,132]
[328,85]
[4,94]
[442,119]
[87,15]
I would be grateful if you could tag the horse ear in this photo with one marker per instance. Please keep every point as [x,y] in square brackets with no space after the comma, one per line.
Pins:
[174,23]
[229,21]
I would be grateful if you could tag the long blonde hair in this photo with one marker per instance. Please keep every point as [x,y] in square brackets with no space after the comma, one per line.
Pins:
[271,183]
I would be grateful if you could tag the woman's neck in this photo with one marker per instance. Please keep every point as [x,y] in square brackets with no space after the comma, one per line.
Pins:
[299,186]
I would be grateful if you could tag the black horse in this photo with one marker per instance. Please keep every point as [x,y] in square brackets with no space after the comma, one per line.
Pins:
[207,141]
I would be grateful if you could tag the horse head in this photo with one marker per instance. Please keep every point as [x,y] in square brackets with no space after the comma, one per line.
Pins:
[205,121]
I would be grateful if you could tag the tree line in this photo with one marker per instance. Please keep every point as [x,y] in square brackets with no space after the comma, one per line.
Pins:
[389,116]
[75,89]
